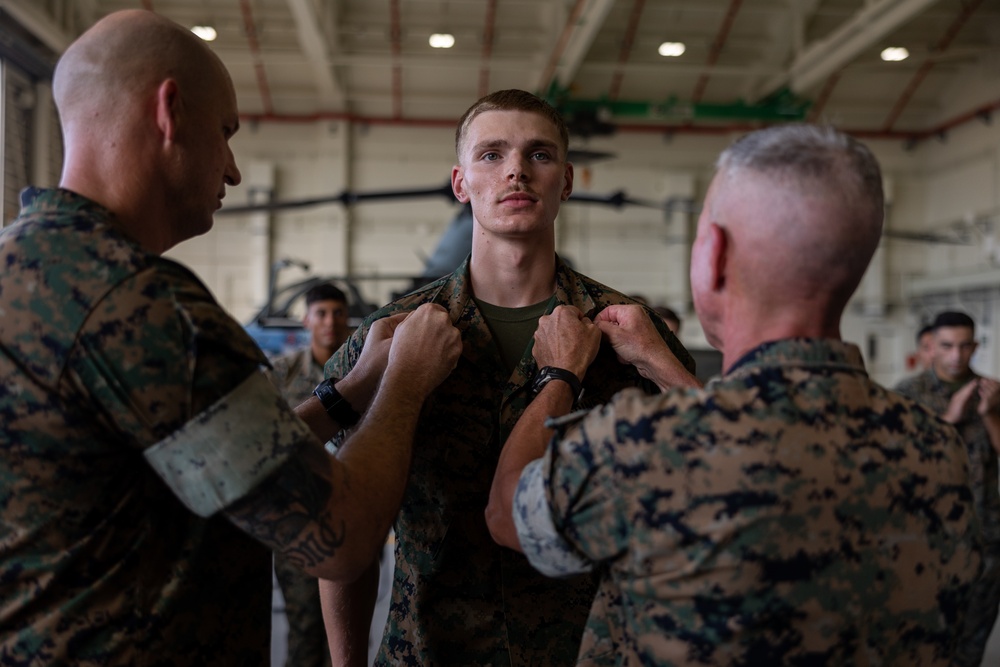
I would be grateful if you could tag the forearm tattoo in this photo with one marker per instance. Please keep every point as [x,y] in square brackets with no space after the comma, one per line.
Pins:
[289,513]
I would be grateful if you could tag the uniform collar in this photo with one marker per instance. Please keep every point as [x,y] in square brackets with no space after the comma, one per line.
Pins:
[39,200]
[803,353]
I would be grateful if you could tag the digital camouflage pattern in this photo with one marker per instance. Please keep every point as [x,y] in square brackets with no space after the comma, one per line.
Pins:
[792,512]
[295,375]
[107,354]
[927,389]
[458,598]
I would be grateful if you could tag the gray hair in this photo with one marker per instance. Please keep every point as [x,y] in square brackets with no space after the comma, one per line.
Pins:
[810,154]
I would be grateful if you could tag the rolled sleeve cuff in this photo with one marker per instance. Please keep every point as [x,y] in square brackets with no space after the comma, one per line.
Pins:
[224,452]
[545,548]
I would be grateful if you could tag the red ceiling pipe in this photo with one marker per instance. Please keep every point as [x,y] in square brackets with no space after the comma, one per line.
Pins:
[250,28]
[488,28]
[925,67]
[626,52]
[716,50]
[982,113]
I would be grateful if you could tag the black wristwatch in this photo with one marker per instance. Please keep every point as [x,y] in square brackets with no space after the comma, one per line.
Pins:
[336,405]
[549,373]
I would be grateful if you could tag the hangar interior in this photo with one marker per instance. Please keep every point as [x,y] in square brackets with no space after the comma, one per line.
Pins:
[349,96]
[340,98]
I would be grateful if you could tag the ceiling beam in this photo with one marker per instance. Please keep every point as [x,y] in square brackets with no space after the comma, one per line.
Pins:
[578,34]
[395,33]
[717,44]
[250,30]
[315,43]
[897,109]
[38,23]
[626,51]
[828,54]
[785,41]
[487,51]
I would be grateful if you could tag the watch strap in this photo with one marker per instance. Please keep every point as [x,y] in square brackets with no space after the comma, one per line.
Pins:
[335,404]
[549,373]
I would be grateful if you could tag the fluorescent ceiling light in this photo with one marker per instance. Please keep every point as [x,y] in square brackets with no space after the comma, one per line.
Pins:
[671,49]
[206,32]
[895,54]
[442,40]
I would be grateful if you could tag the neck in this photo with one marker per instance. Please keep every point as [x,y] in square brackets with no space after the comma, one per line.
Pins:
[950,379]
[122,190]
[753,326]
[512,273]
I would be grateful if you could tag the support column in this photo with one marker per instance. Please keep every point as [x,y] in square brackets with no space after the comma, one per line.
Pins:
[259,179]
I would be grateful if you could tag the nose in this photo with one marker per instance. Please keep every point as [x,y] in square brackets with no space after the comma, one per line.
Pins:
[232,173]
[518,168]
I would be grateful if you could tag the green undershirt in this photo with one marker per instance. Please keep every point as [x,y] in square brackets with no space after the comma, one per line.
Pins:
[512,328]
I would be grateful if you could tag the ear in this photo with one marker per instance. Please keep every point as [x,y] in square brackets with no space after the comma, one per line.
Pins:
[568,176]
[718,255]
[168,109]
[458,184]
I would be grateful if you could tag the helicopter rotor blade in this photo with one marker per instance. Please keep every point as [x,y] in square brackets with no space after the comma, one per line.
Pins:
[345,198]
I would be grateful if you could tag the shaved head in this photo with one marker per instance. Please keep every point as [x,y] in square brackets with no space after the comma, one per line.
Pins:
[128,53]
[791,221]
[147,112]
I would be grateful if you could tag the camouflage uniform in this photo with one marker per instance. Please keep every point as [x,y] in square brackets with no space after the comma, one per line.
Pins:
[459,598]
[109,360]
[927,389]
[791,513]
[296,375]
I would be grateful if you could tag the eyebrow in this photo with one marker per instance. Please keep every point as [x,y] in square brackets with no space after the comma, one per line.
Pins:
[503,143]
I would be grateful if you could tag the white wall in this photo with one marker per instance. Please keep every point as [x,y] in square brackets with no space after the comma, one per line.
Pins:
[941,184]
[636,250]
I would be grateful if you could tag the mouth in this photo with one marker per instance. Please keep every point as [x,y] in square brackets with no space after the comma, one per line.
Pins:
[518,196]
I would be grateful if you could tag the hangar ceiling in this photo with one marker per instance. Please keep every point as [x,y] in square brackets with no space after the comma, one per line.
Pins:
[744,62]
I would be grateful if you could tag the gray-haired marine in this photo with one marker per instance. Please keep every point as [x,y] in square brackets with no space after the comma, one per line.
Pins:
[790,512]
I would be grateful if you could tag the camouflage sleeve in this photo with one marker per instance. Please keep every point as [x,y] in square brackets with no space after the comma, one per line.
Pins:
[168,372]
[541,543]
[586,502]
[343,360]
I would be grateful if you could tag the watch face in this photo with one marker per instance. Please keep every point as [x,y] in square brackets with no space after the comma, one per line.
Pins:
[548,373]
[540,379]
